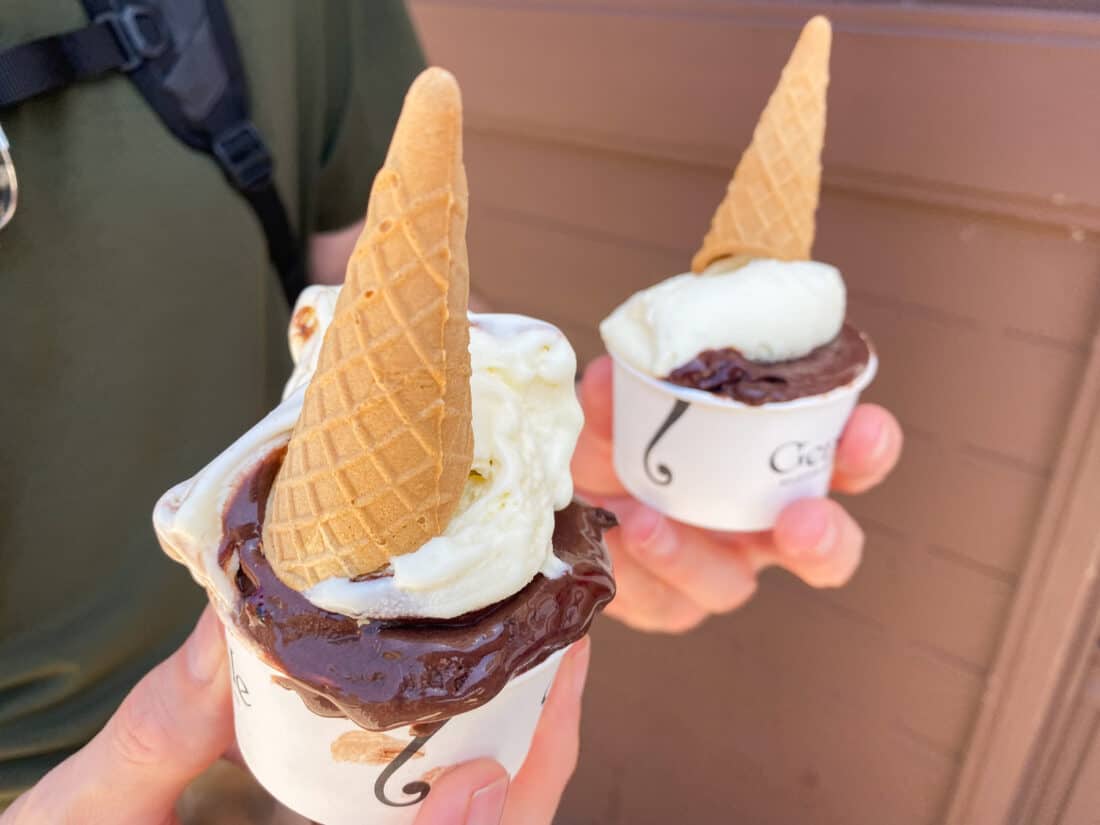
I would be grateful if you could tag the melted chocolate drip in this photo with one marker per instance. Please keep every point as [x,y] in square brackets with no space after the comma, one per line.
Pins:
[386,674]
[727,372]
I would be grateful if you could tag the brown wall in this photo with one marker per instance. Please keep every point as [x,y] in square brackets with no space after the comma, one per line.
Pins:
[962,202]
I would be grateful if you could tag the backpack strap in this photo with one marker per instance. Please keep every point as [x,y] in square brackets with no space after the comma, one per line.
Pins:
[184,60]
[60,60]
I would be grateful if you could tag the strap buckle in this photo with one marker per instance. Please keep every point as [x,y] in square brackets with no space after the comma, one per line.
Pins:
[243,156]
[138,32]
[9,184]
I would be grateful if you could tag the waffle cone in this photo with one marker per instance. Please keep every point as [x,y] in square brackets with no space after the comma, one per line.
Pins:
[379,457]
[768,211]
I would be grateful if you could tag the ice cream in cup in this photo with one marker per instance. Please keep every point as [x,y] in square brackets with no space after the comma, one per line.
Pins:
[733,382]
[394,550]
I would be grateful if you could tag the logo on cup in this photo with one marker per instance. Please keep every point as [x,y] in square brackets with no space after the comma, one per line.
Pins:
[661,474]
[419,789]
[802,456]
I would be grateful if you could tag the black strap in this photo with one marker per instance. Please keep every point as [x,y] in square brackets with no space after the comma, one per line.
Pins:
[57,61]
[242,155]
[183,57]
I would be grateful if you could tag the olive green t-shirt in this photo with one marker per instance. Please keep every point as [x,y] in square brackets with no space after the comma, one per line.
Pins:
[142,330]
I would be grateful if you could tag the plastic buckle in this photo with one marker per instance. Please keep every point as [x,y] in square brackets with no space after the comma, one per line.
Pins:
[9,184]
[243,156]
[129,28]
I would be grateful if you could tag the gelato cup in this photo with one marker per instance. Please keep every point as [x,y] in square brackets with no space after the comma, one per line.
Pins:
[395,550]
[717,463]
[336,773]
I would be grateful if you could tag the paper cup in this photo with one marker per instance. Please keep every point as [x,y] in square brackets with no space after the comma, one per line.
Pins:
[720,464]
[335,773]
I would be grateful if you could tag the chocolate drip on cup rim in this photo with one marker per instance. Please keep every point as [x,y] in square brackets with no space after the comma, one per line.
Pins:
[386,674]
[727,373]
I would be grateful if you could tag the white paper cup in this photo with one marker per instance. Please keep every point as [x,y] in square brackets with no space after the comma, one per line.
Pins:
[290,750]
[720,464]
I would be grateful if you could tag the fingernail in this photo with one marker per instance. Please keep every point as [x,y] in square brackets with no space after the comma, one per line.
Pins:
[881,442]
[649,533]
[487,804]
[204,649]
[826,538]
[812,534]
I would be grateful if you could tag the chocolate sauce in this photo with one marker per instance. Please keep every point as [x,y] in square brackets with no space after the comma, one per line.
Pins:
[727,372]
[389,673]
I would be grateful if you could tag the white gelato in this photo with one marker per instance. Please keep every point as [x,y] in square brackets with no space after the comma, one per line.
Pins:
[526,420]
[768,310]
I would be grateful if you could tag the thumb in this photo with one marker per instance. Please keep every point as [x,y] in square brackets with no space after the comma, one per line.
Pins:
[471,794]
[592,465]
[174,724]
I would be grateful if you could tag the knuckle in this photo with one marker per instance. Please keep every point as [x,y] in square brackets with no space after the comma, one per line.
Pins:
[141,733]
[660,597]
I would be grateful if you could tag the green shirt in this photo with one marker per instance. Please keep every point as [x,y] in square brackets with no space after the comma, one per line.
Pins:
[142,330]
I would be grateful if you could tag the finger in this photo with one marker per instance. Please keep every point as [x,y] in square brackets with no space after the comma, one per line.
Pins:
[174,724]
[593,467]
[711,573]
[819,542]
[537,788]
[471,794]
[868,449]
[595,395]
[645,601]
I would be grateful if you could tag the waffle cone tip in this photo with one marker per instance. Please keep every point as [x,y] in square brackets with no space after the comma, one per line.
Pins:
[380,454]
[770,204]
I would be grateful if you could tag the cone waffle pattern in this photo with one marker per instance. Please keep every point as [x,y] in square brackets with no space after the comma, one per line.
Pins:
[382,450]
[768,211]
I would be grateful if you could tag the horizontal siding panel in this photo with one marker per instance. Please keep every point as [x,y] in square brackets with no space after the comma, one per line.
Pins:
[843,660]
[981,271]
[927,599]
[1004,395]
[632,198]
[944,497]
[520,265]
[548,71]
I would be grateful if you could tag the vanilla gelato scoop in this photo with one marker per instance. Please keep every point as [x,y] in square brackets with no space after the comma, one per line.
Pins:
[526,420]
[768,310]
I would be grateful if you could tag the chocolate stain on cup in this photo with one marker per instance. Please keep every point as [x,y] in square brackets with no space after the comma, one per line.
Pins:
[367,747]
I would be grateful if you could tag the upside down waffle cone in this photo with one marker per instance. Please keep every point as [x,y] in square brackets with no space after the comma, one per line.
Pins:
[768,211]
[379,457]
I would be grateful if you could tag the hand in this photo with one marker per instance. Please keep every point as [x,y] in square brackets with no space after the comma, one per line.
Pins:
[478,793]
[672,576]
[175,723]
[178,721]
